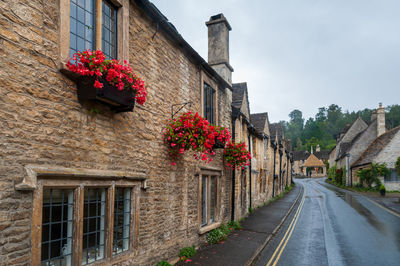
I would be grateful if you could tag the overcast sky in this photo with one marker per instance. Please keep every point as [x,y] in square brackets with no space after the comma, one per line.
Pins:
[303,54]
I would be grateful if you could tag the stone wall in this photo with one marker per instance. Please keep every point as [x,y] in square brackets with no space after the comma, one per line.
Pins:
[43,123]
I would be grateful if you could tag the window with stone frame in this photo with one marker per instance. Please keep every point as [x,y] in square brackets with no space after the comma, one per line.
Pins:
[94,25]
[209,197]
[85,16]
[209,104]
[102,232]
[393,176]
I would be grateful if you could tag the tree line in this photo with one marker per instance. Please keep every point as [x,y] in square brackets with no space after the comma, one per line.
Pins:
[327,124]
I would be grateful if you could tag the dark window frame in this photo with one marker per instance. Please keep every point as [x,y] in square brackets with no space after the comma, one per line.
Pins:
[78,187]
[114,33]
[209,103]
[212,213]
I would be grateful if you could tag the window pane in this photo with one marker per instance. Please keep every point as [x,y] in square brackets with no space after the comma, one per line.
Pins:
[93,230]
[213,198]
[81,25]
[57,217]
[204,201]
[209,103]
[109,30]
[122,216]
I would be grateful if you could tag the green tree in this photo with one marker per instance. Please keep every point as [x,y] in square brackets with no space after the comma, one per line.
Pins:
[393,116]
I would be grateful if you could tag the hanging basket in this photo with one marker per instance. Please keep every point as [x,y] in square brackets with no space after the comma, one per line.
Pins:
[118,100]
[218,144]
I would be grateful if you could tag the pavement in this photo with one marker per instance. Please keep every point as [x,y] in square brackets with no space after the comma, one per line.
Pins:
[243,246]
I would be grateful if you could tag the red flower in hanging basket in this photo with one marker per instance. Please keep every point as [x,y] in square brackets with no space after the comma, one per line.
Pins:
[193,132]
[94,63]
[236,155]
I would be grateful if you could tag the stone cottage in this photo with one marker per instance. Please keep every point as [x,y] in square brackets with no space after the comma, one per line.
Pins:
[240,133]
[80,186]
[357,138]
[282,159]
[84,184]
[262,158]
[384,149]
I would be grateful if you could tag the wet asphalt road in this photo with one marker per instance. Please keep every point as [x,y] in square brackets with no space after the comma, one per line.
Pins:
[335,227]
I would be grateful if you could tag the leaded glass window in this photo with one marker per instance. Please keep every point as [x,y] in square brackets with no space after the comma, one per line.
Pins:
[122,216]
[82,25]
[109,30]
[213,197]
[93,225]
[57,221]
[209,103]
[209,199]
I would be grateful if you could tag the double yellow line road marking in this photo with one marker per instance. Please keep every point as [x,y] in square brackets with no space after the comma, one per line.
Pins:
[278,252]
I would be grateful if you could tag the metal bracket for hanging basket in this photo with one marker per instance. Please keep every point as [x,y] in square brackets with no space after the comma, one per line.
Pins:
[182,105]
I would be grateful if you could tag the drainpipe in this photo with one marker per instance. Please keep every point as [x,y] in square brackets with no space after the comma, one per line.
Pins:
[287,170]
[249,139]
[348,169]
[233,176]
[280,171]
[273,174]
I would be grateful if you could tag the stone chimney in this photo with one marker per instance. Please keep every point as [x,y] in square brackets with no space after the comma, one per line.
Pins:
[218,46]
[318,148]
[380,120]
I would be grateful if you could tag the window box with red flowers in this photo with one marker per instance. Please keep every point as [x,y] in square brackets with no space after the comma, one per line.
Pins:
[236,155]
[193,132]
[107,81]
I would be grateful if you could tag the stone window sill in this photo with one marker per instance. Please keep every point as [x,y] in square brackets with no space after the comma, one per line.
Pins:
[208,228]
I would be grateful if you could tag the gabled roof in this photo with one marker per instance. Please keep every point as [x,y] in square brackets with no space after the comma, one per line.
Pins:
[276,129]
[376,147]
[322,155]
[259,121]
[239,90]
[313,161]
[300,155]
[345,147]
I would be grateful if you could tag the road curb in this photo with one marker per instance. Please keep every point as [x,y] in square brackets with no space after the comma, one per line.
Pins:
[257,253]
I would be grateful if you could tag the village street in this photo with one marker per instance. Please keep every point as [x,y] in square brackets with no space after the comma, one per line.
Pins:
[331,226]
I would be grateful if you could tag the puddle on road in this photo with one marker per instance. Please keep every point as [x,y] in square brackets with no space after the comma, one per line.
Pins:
[356,205]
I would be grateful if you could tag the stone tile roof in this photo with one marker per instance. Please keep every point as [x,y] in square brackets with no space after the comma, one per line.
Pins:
[313,161]
[345,147]
[300,155]
[376,147]
[276,129]
[238,90]
[258,120]
[322,155]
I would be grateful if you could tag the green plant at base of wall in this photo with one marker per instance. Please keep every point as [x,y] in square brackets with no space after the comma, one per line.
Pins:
[370,175]
[187,252]
[163,263]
